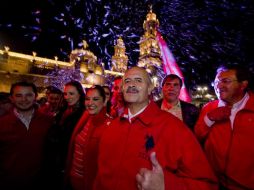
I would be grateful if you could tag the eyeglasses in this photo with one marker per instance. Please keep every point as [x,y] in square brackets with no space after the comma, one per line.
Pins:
[225,81]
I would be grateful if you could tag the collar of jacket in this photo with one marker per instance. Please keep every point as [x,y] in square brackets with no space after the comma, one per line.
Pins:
[100,117]
[146,117]
[250,103]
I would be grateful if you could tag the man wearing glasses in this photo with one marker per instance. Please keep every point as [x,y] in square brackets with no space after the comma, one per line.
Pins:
[226,127]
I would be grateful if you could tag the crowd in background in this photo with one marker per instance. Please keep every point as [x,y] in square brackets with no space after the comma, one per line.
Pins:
[117,137]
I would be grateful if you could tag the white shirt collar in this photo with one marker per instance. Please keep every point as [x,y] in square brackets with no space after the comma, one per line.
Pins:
[236,107]
[24,120]
[240,104]
[134,115]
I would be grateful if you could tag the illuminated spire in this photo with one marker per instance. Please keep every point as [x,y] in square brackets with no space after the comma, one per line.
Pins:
[119,59]
[150,54]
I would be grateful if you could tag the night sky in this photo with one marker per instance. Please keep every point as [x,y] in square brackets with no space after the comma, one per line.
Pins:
[201,34]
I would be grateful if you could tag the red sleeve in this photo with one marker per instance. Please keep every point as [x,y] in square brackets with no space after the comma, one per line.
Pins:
[201,129]
[174,182]
[188,169]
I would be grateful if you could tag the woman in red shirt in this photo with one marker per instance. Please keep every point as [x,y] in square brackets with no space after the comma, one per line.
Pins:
[84,144]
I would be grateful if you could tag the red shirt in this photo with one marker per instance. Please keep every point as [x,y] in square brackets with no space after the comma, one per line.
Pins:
[21,150]
[94,126]
[125,148]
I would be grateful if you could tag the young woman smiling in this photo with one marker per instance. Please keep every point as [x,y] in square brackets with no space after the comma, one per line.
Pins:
[83,149]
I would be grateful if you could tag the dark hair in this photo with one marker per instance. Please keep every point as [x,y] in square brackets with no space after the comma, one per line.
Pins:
[24,84]
[105,86]
[79,88]
[242,73]
[108,106]
[118,78]
[54,90]
[99,89]
[172,77]
[5,97]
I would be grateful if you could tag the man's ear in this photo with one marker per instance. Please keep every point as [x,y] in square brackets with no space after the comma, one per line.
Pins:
[150,88]
[12,99]
[244,84]
[121,87]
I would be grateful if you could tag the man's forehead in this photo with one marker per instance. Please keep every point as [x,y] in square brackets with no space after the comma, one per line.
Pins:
[135,73]
[226,74]
[23,88]
[169,80]
[133,76]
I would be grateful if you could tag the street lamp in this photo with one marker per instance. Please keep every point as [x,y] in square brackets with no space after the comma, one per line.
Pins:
[202,91]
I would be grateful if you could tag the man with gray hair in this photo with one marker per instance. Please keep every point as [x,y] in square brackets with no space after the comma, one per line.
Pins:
[149,149]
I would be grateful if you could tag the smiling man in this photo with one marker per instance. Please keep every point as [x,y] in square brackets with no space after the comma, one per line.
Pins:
[171,87]
[149,149]
[226,127]
[22,136]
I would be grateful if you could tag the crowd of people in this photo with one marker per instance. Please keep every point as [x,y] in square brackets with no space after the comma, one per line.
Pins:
[118,138]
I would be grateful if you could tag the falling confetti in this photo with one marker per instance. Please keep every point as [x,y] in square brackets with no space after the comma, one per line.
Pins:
[201,34]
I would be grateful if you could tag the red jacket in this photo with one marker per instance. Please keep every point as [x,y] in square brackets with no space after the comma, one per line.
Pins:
[99,122]
[230,152]
[21,150]
[125,148]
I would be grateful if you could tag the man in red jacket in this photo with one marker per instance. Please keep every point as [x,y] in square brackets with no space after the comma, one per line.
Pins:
[22,136]
[117,102]
[147,148]
[226,127]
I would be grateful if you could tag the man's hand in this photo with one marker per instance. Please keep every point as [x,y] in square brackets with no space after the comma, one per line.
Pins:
[151,179]
[219,114]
